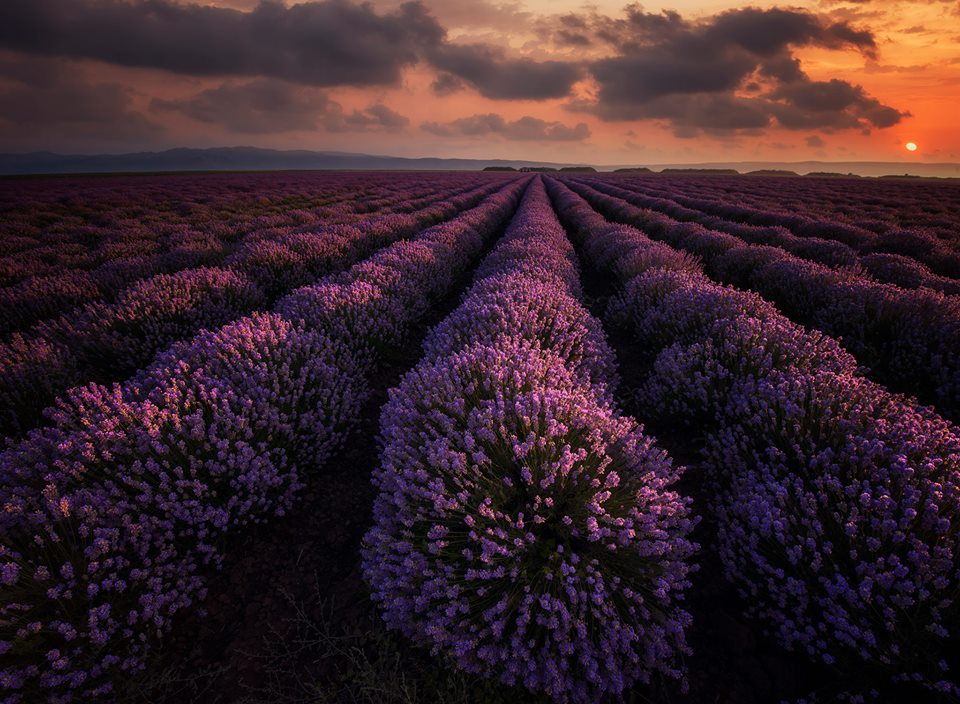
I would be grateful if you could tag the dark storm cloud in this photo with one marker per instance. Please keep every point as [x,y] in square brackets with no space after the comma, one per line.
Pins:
[689,114]
[782,67]
[45,99]
[447,84]
[327,43]
[803,105]
[266,106]
[692,73]
[763,32]
[321,43]
[769,32]
[498,77]
[731,72]
[835,104]
[572,30]
[377,116]
[525,129]
[665,54]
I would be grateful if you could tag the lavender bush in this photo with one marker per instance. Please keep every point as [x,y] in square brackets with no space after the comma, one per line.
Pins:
[112,516]
[106,342]
[839,507]
[526,529]
[836,501]
[692,380]
[526,308]
[907,338]
[115,514]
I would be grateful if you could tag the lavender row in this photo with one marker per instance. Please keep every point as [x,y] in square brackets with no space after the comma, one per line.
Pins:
[837,502]
[940,255]
[114,517]
[874,205]
[524,528]
[891,254]
[884,264]
[105,343]
[909,339]
[92,229]
[78,222]
[935,249]
[137,253]
[879,206]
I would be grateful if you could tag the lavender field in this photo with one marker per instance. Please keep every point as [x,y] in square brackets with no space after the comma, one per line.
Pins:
[479,437]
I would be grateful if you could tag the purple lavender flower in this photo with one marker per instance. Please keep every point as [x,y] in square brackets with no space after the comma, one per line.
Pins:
[523,527]
[837,507]
[527,530]
[115,514]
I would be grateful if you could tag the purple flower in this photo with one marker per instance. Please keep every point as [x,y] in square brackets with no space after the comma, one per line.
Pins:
[517,512]
[516,516]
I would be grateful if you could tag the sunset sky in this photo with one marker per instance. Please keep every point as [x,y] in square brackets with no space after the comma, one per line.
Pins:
[558,80]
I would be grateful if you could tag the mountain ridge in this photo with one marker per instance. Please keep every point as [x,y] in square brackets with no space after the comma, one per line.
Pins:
[243,158]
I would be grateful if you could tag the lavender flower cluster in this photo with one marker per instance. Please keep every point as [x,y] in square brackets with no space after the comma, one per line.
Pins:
[55,257]
[884,257]
[372,305]
[107,342]
[837,502]
[910,339]
[107,216]
[114,516]
[285,260]
[523,527]
[825,251]
[800,208]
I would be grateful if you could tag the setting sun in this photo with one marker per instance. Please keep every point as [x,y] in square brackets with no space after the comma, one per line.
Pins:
[911,146]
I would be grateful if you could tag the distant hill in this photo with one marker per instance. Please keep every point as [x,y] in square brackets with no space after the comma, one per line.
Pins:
[720,172]
[772,172]
[238,159]
[256,159]
[855,168]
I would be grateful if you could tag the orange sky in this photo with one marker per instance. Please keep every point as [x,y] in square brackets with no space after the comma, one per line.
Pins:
[915,69]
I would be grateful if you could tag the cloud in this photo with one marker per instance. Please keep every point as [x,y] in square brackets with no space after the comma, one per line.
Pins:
[499,77]
[45,101]
[731,72]
[566,37]
[572,30]
[689,115]
[262,106]
[320,43]
[769,32]
[815,141]
[665,55]
[762,32]
[377,116]
[266,106]
[830,104]
[325,43]
[525,129]
[447,84]
[734,72]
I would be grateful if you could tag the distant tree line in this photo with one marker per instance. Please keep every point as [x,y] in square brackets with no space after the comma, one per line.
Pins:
[544,169]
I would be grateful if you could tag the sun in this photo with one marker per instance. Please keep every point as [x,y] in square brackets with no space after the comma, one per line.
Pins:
[911,146]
